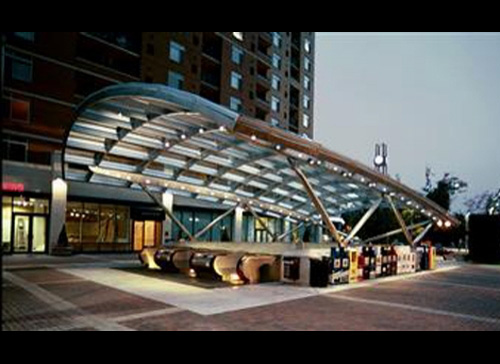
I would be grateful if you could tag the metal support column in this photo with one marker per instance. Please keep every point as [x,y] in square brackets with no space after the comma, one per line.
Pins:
[169,213]
[316,201]
[401,222]
[392,233]
[362,222]
[422,235]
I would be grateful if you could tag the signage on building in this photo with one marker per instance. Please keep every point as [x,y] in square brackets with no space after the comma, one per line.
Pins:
[12,187]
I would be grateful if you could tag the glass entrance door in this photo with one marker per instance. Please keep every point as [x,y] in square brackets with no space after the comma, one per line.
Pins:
[29,234]
[21,233]
[147,234]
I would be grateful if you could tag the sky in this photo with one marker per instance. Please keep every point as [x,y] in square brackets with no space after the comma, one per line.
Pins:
[434,98]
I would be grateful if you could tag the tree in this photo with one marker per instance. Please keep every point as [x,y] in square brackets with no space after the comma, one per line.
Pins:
[446,188]
[484,203]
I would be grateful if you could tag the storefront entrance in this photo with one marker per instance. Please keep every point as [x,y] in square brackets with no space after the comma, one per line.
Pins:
[29,233]
[147,234]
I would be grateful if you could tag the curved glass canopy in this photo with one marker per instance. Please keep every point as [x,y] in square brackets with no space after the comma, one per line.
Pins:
[133,135]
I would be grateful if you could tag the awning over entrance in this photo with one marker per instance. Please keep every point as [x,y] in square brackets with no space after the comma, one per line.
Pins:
[134,135]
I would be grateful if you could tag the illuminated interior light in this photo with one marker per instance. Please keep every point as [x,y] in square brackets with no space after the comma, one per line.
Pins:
[447,224]
[148,181]
[183,136]
[167,145]
[440,223]
[201,131]
[301,155]
[222,128]
[254,138]
[278,147]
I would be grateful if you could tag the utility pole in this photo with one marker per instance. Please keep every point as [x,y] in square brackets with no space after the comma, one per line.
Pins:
[380,160]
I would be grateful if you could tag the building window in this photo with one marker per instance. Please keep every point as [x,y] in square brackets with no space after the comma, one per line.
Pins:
[307,46]
[237,55]
[275,104]
[30,36]
[236,80]
[275,122]
[15,149]
[307,64]
[307,102]
[20,110]
[22,68]
[276,61]
[276,82]
[277,41]
[235,104]
[175,80]
[239,36]
[305,121]
[307,83]
[176,52]
[90,223]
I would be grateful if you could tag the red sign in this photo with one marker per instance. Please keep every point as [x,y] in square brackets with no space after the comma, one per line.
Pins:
[12,187]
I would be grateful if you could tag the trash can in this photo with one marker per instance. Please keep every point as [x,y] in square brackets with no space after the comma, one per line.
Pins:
[319,270]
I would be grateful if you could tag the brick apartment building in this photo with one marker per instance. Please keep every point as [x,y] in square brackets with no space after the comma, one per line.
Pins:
[45,75]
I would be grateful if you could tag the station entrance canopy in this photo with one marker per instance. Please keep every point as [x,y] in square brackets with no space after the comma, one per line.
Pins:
[157,138]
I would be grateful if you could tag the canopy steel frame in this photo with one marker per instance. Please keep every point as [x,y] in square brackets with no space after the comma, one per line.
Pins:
[362,221]
[400,219]
[422,235]
[215,222]
[316,201]
[393,232]
[159,115]
[169,213]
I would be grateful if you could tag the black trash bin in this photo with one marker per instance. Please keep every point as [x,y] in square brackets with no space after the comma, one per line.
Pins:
[319,271]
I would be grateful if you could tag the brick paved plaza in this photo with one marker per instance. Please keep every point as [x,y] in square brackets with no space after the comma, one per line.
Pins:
[107,293]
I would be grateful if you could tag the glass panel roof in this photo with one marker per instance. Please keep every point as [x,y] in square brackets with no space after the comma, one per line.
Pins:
[136,133]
